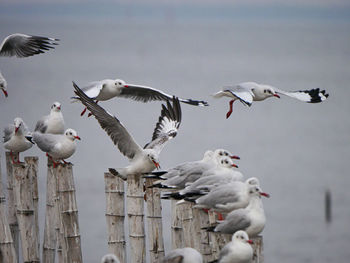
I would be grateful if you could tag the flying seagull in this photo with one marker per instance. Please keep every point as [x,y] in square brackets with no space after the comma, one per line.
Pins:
[247,92]
[142,160]
[108,88]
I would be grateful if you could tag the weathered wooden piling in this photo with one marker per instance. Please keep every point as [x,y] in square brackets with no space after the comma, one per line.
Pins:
[12,218]
[187,225]
[201,222]
[115,215]
[258,248]
[176,226]
[7,248]
[69,213]
[135,210]
[154,220]
[23,188]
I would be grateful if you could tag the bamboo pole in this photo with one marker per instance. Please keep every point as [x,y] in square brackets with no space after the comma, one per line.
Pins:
[12,218]
[23,187]
[7,248]
[69,213]
[50,239]
[115,215]
[135,208]
[154,219]
[176,226]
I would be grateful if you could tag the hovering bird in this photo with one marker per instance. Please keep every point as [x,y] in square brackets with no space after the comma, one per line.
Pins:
[108,88]
[183,255]
[247,92]
[52,123]
[239,250]
[57,146]
[21,45]
[17,138]
[141,160]
[110,258]
[3,85]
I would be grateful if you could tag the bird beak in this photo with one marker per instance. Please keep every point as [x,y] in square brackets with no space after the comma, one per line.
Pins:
[126,86]
[77,137]
[5,92]
[264,194]
[276,95]
[250,242]
[59,108]
[235,157]
[234,165]
[16,129]
[156,164]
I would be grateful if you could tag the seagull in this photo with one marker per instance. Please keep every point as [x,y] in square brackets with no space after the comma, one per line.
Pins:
[183,255]
[108,88]
[17,138]
[250,219]
[239,250]
[110,258]
[141,160]
[228,197]
[247,92]
[3,84]
[57,146]
[52,123]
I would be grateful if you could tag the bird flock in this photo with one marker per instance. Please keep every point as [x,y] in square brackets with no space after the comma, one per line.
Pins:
[212,183]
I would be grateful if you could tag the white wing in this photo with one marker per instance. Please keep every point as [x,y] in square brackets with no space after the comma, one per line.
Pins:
[311,96]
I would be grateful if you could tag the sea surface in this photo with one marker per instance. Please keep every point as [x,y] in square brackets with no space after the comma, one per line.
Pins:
[297,150]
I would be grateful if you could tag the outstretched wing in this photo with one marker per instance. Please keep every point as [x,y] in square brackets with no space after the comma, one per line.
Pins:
[311,96]
[21,45]
[114,128]
[146,94]
[167,125]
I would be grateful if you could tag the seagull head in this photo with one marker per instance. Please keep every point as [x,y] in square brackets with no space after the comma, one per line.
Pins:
[270,92]
[18,123]
[255,190]
[118,83]
[241,236]
[72,134]
[152,157]
[3,86]
[218,153]
[226,162]
[56,106]
[109,258]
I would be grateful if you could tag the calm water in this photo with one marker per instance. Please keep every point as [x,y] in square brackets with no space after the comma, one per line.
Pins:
[297,150]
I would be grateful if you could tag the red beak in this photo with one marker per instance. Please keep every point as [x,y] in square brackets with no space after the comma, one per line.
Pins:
[234,165]
[235,157]
[250,241]
[264,194]
[16,129]
[77,137]
[156,164]
[5,92]
[126,86]
[276,95]
[59,108]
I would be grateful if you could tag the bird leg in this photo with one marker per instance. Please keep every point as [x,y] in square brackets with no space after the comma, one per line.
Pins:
[14,161]
[53,162]
[220,216]
[83,112]
[89,115]
[231,109]
[66,162]
[206,210]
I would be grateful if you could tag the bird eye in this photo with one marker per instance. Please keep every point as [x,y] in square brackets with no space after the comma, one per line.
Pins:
[226,153]
[220,153]
[226,161]
[264,90]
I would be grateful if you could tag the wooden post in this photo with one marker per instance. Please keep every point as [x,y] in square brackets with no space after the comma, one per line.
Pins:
[201,219]
[258,247]
[115,215]
[187,224]
[154,219]
[135,208]
[176,226]
[12,218]
[7,248]
[50,239]
[69,213]
[23,186]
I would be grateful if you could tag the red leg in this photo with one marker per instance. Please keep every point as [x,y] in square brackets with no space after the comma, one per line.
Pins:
[231,109]
[206,210]
[83,112]
[66,162]
[220,217]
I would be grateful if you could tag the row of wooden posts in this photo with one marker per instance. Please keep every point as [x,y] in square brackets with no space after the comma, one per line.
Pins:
[19,219]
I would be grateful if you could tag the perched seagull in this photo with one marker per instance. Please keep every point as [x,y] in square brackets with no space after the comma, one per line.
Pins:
[183,255]
[17,138]
[141,160]
[110,258]
[247,92]
[57,146]
[250,219]
[108,88]
[21,45]
[228,197]
[239,250]
[52,123]
[3,84]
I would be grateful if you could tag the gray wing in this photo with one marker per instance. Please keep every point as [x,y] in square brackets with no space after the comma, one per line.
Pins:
[241,92]
[236,220]
[41,125]
[311,96]
[167,125]
[8,132]
[113,127]
[21,45]
[173,257]
[46,142]
[146,94]
[224,252]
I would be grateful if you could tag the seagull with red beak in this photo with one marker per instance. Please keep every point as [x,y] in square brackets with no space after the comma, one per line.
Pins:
[247,92]
[52,123]
[57,146]
[142,160]
[239,250]
[17,138]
